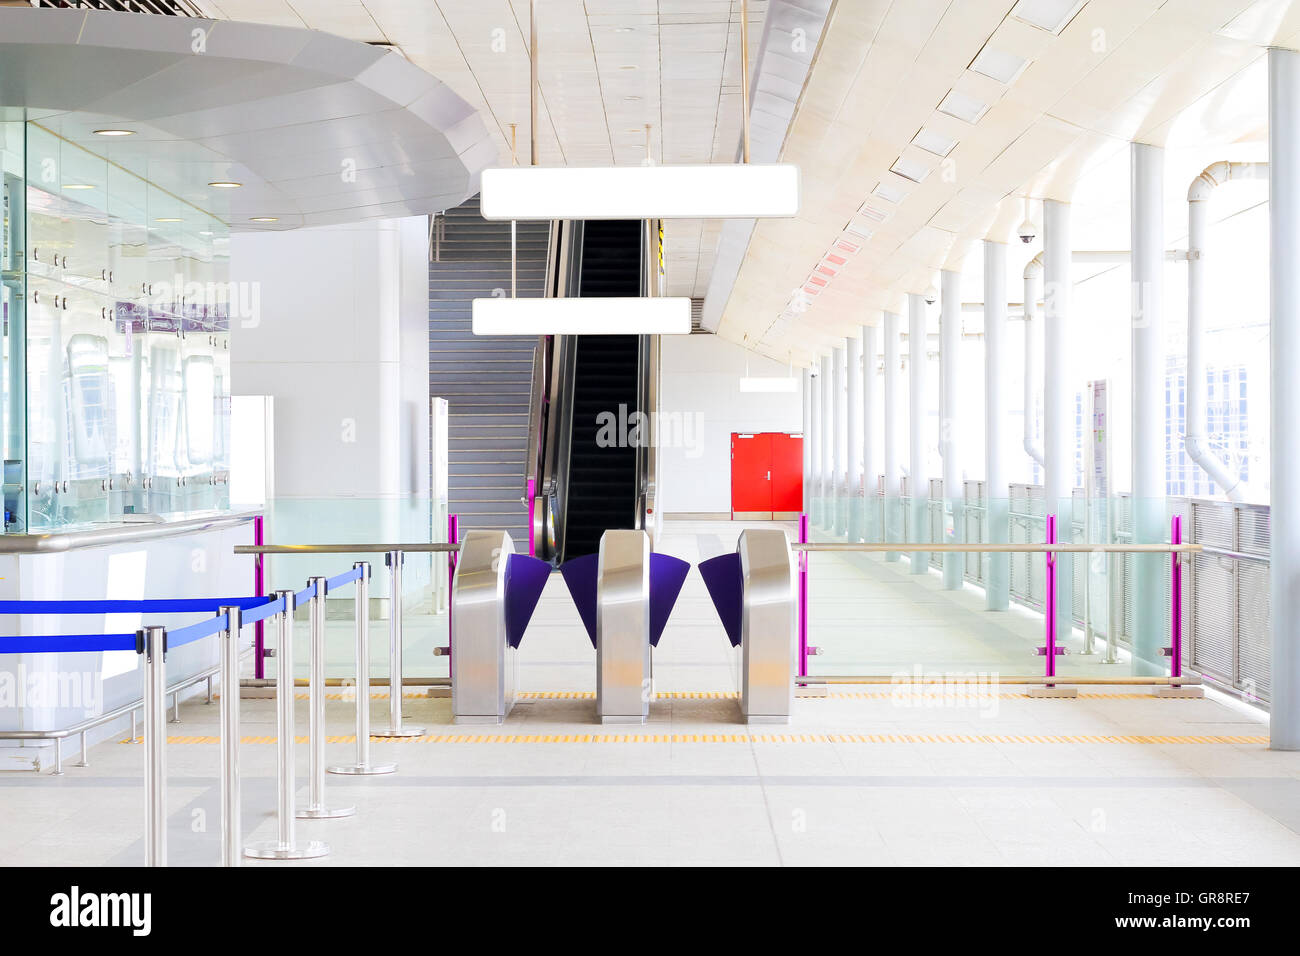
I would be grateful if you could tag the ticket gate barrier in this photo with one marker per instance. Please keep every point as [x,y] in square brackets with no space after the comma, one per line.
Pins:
[754,593]
[494,593]
[624,595]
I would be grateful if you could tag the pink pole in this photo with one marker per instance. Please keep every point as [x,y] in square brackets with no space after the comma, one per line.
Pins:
[803,597]
[259,585]
[1049,608]
[1175,600]
[532,549]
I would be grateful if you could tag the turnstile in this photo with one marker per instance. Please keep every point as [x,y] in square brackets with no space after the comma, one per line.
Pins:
[754,593]
[494,593]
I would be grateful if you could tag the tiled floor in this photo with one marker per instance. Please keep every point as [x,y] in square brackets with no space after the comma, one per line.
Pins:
[875,775]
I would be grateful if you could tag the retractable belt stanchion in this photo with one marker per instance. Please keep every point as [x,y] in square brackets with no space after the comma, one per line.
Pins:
[152,643]
[229,638]
[316,809]
[285,848]
[363,764]
[395,729]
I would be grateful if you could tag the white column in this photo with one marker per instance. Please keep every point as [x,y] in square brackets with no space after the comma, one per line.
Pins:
[1149,571]
[919,477]
[828,442]
[870,424]
[1284,295]
[1058,410]
[950,403]
[891,405]
[842,491]
[807,395]
[997,492]
[853,358]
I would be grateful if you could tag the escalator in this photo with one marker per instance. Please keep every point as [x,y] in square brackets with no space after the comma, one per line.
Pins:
[594,456]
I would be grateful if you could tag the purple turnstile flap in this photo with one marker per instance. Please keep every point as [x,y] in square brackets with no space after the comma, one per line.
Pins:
[722,576]
[580,578]
[525,579]
[667,575]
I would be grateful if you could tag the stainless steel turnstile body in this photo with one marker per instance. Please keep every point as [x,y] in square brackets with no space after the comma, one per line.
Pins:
[623,683]
[767,629]
[483,664]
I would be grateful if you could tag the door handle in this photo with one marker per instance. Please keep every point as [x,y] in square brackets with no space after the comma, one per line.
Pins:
[769,476]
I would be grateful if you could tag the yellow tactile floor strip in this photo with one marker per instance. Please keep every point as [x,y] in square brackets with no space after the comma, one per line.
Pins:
[832,738]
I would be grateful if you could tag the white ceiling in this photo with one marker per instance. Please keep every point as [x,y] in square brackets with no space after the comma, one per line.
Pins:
[1167,72]
[607,68]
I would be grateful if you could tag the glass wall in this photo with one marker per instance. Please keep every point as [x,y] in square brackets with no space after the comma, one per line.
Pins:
[117,319]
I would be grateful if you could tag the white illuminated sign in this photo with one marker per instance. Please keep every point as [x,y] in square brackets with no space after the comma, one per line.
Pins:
[721,191]
[597,316]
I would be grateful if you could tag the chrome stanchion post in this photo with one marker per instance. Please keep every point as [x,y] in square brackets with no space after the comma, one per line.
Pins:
[230,848]
[363,764]
[316,809]
[395,729]
[284,847]
[152,643]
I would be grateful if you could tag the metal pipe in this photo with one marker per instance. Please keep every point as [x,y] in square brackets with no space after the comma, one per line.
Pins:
[841,489]
[316,809]
[284,846]
[1015,679]
[1049,602]
[1057,548]
[870,466]
[890,406]
[950,417]
[1195,437]
[1033,366]
[828,442]
[410,548]
[744,81]
[259,588]
[363,765]
[997,491]
[152,642]
[853,430]
[1284,306]
[1175,599]
[803,598]
[917,473]
[395,729]
[533,53]
[229,650]
[1148,402]
[1058,405]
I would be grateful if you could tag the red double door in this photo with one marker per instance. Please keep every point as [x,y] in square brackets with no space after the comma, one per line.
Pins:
[766,475]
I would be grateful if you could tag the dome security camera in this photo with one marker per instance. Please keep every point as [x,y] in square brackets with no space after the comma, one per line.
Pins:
[1027,231]
[931,294]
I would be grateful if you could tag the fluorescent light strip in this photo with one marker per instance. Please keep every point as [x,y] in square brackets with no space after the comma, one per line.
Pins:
[963,107]
[597,316]
[757,383]
[1049,15]
[912,169]
[722,191]
[932,141]
[999,65]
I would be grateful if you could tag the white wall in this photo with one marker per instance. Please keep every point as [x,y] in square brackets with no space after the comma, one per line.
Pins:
[700,382]
[342,344]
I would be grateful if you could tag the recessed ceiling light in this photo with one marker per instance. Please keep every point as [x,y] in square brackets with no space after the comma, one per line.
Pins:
[963,107]
[225,185]
[999,65]
[845,246]
[932,141]
[77,186]
[114,132]
[857,227]
[264,219]
[627,67]
[205,232]
[1049,15]
[622,29]
[889,192]
[631,99]
[169,219]
[908,168]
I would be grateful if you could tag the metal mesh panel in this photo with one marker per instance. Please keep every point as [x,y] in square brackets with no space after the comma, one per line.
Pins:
[1253,533]
[1027,525]
[975,522]
[1253,643]
[935,511]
